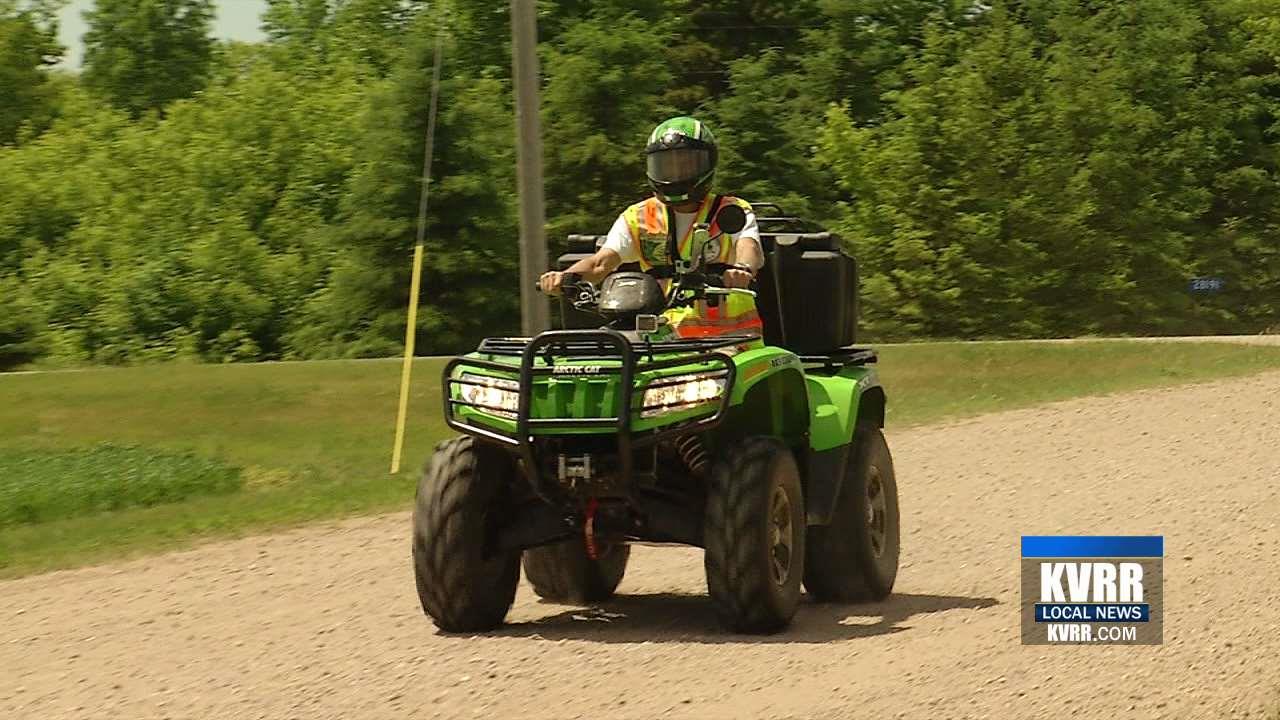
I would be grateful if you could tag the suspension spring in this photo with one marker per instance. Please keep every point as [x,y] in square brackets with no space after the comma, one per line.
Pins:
[694,454]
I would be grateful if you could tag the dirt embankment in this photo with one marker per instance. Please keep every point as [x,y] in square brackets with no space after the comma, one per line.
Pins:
[324,623]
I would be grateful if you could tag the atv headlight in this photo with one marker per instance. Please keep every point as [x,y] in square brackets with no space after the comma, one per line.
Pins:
[498,396]
[681,393]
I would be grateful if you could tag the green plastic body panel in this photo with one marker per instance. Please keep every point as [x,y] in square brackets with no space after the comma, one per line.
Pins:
[834,402]
[756,366]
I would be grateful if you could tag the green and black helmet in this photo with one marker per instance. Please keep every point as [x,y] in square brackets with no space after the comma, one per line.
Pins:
[680,160]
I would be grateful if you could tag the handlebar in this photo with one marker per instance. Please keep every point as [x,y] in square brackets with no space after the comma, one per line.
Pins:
[714,276]
[580,293]
[709,282]
[729,291]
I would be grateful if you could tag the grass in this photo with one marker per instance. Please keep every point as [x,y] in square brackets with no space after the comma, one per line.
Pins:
[929,382]
[39,486]
[312,440]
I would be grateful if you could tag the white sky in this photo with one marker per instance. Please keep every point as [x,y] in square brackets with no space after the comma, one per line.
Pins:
[237,20]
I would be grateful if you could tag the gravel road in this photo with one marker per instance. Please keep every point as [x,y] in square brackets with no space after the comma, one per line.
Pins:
[323,622]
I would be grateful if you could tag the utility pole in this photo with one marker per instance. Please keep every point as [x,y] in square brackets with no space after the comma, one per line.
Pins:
[534,316]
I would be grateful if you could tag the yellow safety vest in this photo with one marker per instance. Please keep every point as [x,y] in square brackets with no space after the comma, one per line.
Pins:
[648,223]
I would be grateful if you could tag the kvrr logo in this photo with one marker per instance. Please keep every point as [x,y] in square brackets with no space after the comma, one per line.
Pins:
[1084,597]
[1099,582]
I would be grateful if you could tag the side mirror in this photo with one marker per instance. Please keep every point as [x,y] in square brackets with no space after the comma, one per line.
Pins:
[731,219]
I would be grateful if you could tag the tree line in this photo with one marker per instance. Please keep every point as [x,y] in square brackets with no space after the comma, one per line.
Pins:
[1000,168]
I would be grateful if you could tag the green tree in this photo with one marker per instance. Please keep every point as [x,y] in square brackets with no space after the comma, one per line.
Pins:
[471,235]
[768,131]
[199,235]
[605,80]
[19,326]
[709,36]
[314,36]
[28,46]
[143,54]
[1245,212]
[1056,170]
[859,50]
[1007,168]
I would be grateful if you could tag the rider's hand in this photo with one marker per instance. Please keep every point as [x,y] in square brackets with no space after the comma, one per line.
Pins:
[549,283]
[735,278]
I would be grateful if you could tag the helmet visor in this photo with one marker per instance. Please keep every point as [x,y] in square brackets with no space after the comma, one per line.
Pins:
[679,165]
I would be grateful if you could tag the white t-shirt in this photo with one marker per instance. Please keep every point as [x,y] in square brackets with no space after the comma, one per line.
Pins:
[621,242]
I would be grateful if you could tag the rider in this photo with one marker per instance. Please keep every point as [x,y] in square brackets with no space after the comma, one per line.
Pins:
[681,162]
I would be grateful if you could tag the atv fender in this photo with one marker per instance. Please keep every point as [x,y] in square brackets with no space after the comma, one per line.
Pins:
[769,398]
[776,405]
[840,403]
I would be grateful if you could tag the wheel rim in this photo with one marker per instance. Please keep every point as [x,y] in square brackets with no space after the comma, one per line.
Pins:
[781,538]
[876,512]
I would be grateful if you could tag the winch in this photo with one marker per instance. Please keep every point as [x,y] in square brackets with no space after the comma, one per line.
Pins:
[573,468]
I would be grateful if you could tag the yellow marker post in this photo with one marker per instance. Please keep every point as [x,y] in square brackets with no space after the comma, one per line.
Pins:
[415,284]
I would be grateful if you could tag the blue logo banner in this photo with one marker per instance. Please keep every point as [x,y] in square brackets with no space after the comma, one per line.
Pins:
[1119,546]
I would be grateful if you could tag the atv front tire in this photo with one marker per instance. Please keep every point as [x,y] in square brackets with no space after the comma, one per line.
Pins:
[855,558]
[563,573]
[755,536]
[464,584]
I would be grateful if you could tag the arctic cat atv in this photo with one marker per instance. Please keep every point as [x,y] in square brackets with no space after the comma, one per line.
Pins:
[767,452]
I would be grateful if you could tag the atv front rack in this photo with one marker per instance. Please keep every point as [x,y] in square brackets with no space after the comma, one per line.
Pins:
[579,344]
[607,345]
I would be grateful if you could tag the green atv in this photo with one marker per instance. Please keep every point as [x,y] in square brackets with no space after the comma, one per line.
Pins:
[766,452]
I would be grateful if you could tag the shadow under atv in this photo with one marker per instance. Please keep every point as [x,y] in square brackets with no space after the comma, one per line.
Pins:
[671,617]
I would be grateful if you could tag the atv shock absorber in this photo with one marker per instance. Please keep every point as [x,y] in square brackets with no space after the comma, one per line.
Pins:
[693,452]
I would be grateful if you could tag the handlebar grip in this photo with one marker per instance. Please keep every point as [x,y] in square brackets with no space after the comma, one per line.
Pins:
[715,275]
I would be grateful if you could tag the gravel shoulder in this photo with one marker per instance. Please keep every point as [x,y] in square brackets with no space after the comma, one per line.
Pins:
[323,622]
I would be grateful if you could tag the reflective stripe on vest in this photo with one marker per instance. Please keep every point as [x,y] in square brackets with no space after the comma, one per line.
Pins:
[647,222]
[736,315]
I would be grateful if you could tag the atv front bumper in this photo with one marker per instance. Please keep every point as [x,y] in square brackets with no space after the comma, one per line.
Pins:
[560,354]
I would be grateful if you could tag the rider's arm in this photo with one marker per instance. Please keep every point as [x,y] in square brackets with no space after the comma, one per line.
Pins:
[618,248]
[605,260]
[595,268]
[747,252]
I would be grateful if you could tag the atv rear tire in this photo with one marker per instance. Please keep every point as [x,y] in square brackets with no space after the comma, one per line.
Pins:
[462,586]
[855,558]
[563,573]
[755,536]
